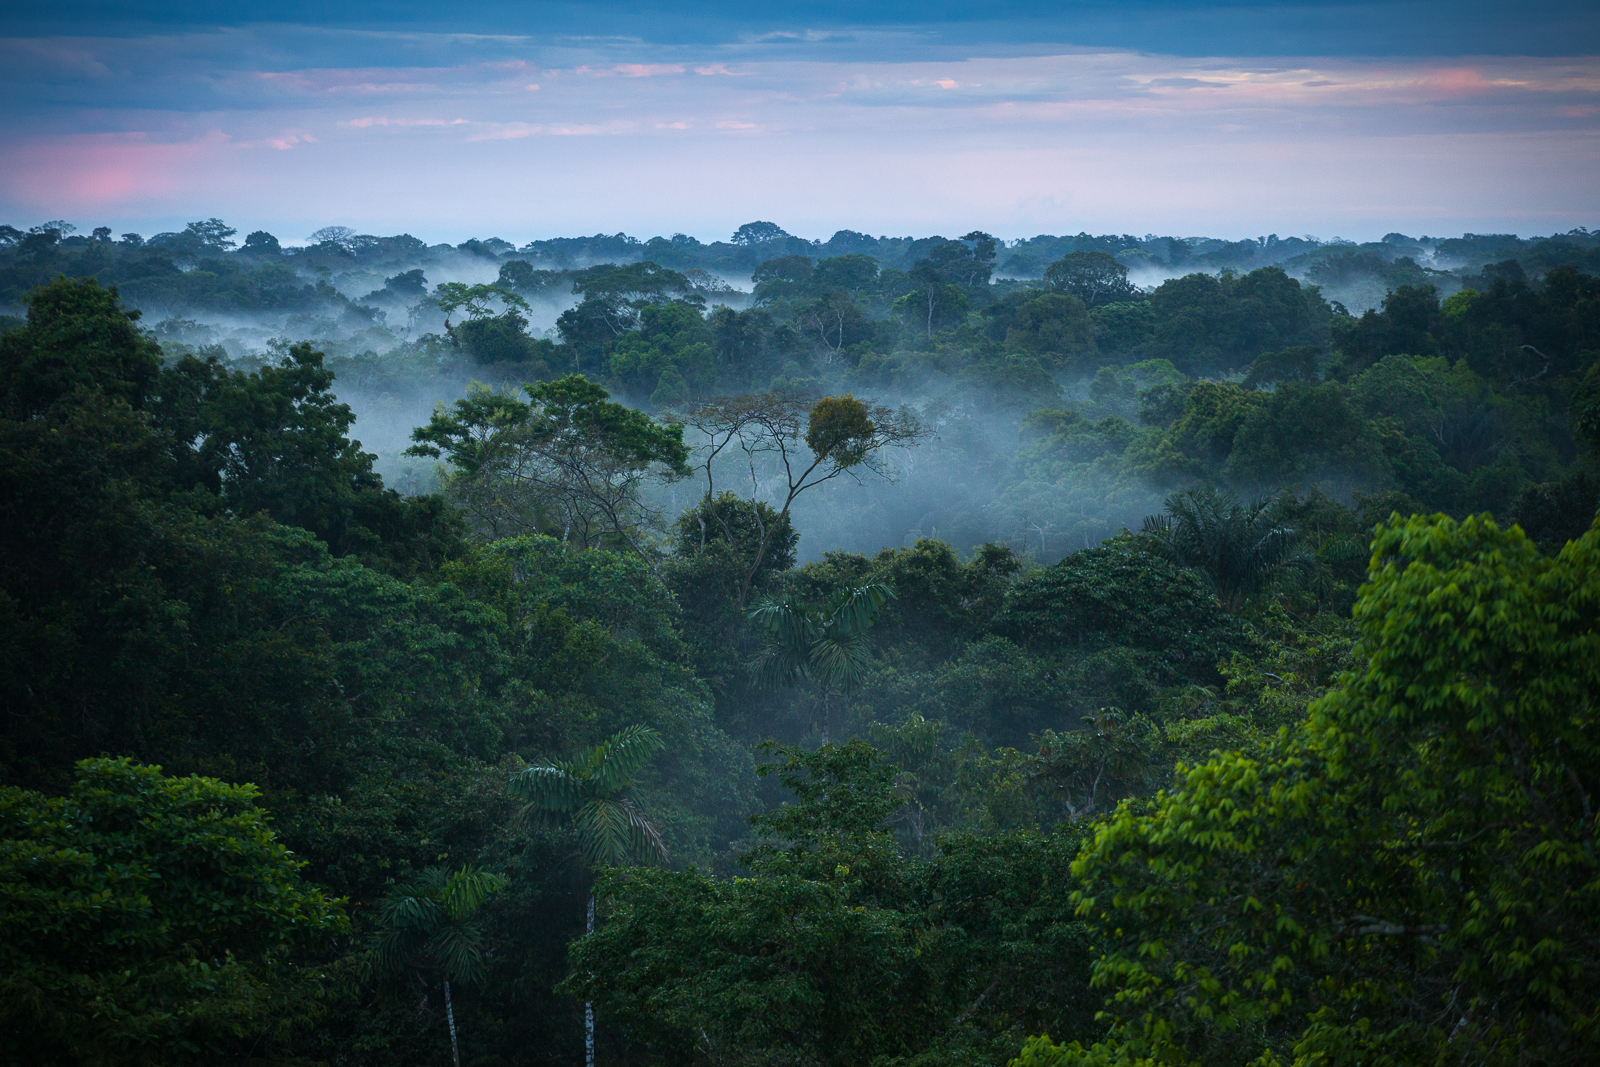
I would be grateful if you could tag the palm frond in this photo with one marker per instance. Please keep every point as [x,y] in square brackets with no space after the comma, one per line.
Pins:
[390,951]
[467,890]
[647,839]
[779,666]
[430,917]
[615,830]
[840,662]
[457,950]
[853,610]
[621,757]
[604,832]
[789,624]
[548,787]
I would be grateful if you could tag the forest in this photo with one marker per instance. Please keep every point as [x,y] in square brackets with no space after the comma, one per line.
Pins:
[880,651]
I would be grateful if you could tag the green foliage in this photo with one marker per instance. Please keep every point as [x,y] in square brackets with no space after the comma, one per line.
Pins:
[568,458]
[78,337]
[596,792]
[836,949]
[204,570]
[1207,324]
[147,919]
[429,922]
[1092,277]
[824,645]
[1239,548]
[1082,602]
[1399,880]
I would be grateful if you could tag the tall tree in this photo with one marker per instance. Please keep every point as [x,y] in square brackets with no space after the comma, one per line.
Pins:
[803,440]
[595,794]
[1093,277]
[826,646]
[431,922]
[568,459]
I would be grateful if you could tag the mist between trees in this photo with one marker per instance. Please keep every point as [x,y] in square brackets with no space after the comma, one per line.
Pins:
[1016,354]
[1076,650]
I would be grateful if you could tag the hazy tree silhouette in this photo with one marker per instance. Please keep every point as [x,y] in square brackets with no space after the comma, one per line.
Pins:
[430,923]
[594,794]
[826,646]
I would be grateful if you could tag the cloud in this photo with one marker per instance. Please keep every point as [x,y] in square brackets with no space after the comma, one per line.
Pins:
[383,121]
[647,70]
[1044,141]
[512,131]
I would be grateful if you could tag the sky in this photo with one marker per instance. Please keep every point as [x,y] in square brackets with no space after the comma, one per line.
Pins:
[529,119]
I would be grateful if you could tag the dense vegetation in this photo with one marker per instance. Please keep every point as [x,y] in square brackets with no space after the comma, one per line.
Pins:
[1162,734]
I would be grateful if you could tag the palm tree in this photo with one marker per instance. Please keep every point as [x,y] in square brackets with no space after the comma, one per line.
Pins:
[595,793]
[827,646]
[431,921]
[1239,548]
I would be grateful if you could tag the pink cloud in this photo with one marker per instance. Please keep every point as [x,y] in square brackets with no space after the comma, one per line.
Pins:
[102,169]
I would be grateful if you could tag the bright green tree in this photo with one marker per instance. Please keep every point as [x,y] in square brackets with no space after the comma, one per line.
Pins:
[432,923]
[595,793]
[1409,877]
[149,920]
[826,646]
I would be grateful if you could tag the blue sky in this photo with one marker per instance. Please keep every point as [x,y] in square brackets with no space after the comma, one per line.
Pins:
[536,119]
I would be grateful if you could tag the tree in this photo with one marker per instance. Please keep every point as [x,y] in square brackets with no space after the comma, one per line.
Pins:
[211,235]
[595,792]
[567,458]
[755,233]
[826,646]
[934,302]
[805,440]
[836,323]
[1408,876]
[613,298]
[150,920]
[1093,277]
[431,922]
[478,300]
[261,243]
[1113,596]
[785,278]
[1239,548]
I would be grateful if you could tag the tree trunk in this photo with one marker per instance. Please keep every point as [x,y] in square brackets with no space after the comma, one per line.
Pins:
[827,715]
[450,1015]
[588,1008]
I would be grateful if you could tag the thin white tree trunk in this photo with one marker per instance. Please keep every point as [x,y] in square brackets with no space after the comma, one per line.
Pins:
[450,1014]
[588,1008]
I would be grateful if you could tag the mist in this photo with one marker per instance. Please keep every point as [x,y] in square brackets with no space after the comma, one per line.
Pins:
[1045,421]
